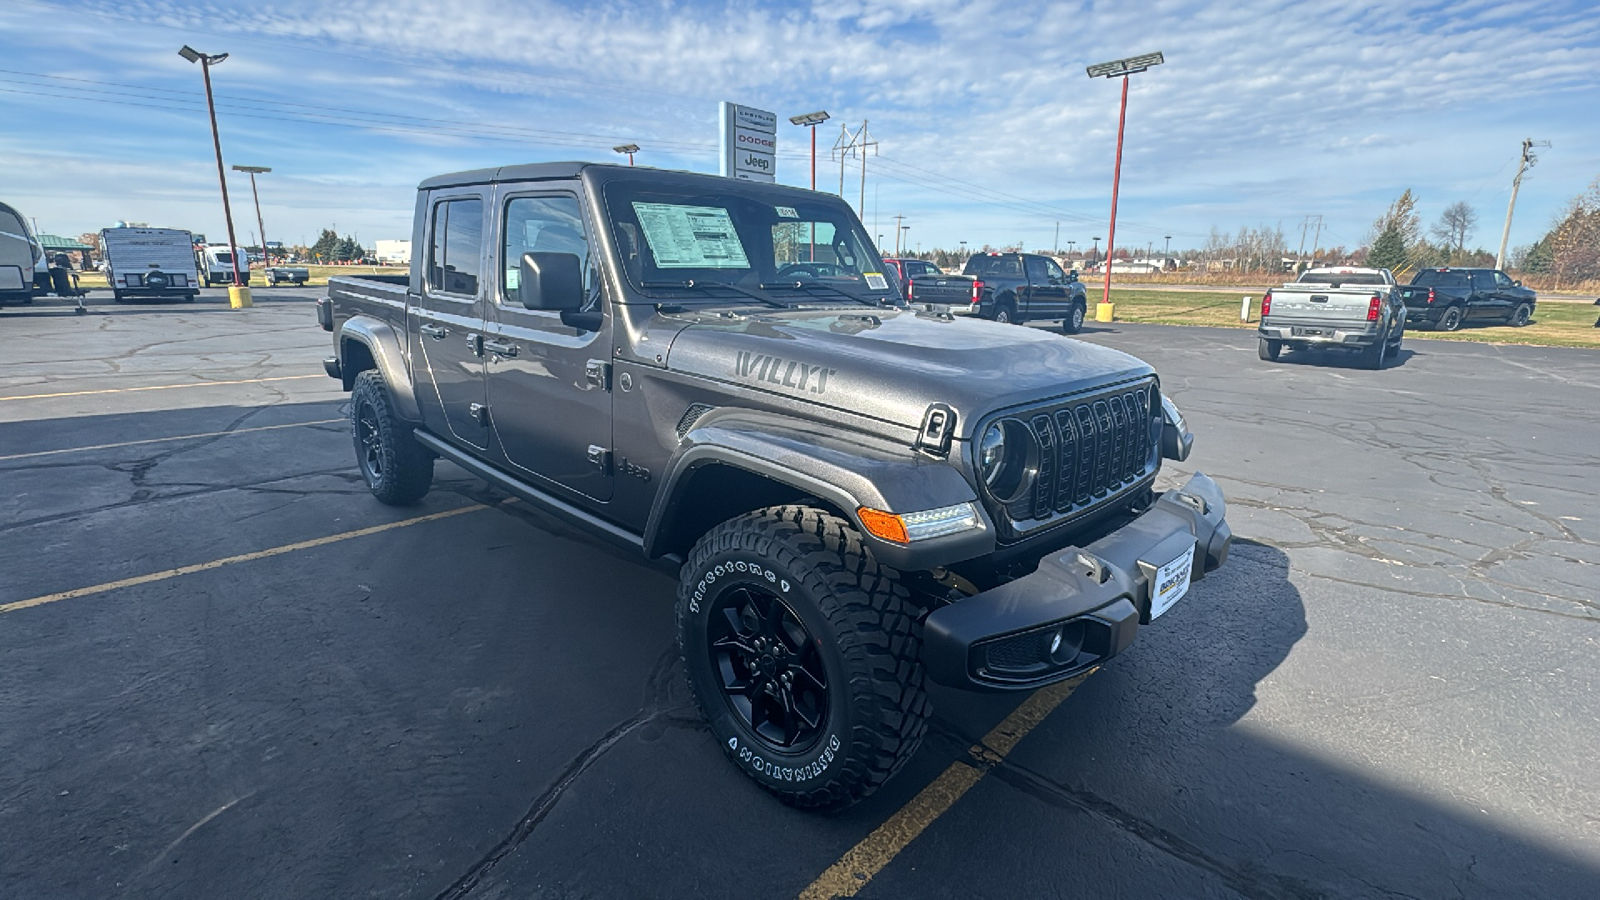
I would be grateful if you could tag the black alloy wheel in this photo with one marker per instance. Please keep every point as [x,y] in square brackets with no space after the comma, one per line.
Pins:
[396,468]
[1520,317]
[770,671]
[1451,320]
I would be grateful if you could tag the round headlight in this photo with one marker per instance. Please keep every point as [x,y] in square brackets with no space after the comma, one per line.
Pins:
[992,453]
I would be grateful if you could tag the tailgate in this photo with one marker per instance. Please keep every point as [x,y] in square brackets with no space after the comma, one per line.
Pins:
[1414,296]
[950,290]
[1321,305]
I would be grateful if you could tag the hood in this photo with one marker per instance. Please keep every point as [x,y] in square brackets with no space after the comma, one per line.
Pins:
[892,364]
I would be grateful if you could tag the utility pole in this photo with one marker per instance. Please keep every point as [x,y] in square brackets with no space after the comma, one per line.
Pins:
[1315,237]
[1300,255]
[864,141]
[842,146]
[1055,248]
[1526,163]
[897,228]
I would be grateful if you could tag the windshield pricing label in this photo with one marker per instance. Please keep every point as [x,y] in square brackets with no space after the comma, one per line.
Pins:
[876,281]
[690,237]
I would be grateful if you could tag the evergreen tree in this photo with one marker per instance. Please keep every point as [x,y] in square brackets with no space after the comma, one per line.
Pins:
[327,246]
[1389,250]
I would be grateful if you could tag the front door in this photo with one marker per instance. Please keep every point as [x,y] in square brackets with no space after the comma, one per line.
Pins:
[1047,288]
[450,315]
[549,397]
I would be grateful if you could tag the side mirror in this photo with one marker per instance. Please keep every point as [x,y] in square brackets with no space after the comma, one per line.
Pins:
[1516,284]
[552,281]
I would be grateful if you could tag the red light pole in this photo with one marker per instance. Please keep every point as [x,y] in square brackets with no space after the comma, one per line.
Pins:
[206,61]
[811,121]
[1123,68]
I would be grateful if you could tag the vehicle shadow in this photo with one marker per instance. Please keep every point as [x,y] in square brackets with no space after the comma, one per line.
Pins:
[1340,359]
[1195,757]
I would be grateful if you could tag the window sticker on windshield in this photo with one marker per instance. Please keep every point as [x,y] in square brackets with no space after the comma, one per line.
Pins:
[513,278]
[690,237]
[787,212]
[876,281]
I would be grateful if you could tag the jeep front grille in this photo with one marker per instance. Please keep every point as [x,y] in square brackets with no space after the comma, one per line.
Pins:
[1091,450]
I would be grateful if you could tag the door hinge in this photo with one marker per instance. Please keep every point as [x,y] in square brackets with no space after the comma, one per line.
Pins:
[600,458]
[598,372]
[479,413]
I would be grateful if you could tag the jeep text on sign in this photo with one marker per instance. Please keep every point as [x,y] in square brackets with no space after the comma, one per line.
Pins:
[749,140]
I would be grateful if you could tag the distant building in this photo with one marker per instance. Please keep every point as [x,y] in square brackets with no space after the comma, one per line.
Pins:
[392,253]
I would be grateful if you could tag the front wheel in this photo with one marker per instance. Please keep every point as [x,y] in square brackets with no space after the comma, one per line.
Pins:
[397,469]
[1074,322]
[1521,315]
[1268,350]
[803,654]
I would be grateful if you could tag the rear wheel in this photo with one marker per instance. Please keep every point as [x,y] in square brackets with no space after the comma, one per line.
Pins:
[1074,322]
[803,654]
[1451,320]
[1375,356]
[397,469]
[1521,315]
[119,296]
[1268,350]
[1004,314]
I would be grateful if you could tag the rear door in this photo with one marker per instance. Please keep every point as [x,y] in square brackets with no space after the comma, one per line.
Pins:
[1487,300]
[549,396]
[450,314]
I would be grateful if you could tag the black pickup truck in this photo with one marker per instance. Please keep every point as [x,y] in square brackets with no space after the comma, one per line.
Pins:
[1446,299]
[857,496]
[1007,287]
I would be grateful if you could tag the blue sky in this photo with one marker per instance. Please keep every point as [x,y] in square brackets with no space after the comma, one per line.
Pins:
[1266,111]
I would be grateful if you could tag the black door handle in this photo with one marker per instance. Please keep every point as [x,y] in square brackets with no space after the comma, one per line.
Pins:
[500,348]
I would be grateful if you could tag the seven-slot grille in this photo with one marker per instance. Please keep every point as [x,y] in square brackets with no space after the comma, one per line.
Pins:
[1089,449]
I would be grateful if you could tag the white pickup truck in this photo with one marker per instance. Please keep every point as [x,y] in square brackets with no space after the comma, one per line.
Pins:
[1346,308]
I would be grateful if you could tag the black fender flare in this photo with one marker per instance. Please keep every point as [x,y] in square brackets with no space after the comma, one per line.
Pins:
[387,349]
[846,470]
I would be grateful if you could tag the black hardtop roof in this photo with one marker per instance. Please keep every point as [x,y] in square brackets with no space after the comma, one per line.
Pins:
[559,170]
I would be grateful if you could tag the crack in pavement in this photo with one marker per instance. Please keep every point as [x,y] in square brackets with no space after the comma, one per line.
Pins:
[654,711]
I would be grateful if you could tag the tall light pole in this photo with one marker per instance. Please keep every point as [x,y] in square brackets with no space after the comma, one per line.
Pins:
[1096,250]
[206,61]
[1122,67]
[1526,163]
[1167,250]
[254,171]
[811,120]
[629,149]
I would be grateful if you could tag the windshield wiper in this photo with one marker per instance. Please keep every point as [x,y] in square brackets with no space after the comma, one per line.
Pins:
[808,285]
[692,285]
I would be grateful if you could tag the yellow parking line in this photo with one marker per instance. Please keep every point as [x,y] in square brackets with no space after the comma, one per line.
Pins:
[181,437]
[159,387]
[858,865]
[231,560]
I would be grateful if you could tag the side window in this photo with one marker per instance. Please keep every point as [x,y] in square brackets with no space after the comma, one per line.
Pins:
[1483,281]
[454,256]
[1054,273]
[1502,279]
[551,224]
[1035,269]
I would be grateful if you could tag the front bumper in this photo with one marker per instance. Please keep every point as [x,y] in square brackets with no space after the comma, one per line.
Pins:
[1092,599]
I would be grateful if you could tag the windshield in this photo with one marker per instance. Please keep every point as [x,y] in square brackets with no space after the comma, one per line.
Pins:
[1326,277]
[745,243]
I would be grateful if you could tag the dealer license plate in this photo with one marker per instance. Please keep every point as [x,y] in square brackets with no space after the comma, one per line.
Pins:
[1172,582]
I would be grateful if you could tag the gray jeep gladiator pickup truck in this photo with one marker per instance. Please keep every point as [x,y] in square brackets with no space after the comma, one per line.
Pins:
[857,496]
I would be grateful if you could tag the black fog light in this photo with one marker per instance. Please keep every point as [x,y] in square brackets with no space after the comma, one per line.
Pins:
[1067,643]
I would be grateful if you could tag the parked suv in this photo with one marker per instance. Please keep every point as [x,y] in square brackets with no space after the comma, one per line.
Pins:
[1448,298]
[858,496]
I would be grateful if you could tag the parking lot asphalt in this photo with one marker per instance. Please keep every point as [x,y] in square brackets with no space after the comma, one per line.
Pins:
[227,671]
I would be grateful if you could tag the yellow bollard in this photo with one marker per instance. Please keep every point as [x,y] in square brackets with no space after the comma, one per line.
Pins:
[1104,312]
[239,297]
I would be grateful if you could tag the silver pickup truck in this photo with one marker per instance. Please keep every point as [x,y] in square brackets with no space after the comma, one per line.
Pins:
[1345,308]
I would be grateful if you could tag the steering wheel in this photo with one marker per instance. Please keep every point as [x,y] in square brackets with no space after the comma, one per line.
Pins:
[809,270]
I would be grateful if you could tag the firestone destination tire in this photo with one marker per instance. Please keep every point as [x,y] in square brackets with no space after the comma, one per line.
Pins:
[397,469]
[803,654]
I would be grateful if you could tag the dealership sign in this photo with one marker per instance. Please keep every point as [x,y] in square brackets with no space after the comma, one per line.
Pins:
[749,143]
